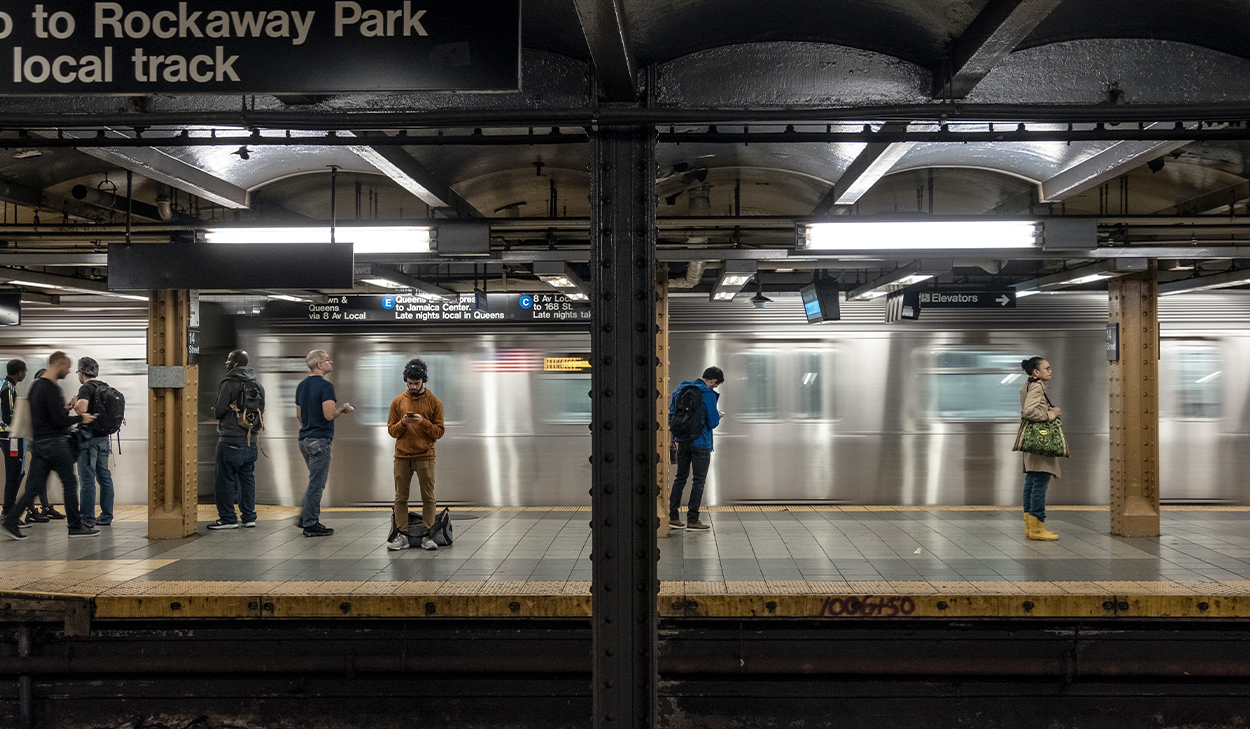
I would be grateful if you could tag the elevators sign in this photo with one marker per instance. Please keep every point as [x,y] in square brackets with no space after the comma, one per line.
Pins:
[259,46]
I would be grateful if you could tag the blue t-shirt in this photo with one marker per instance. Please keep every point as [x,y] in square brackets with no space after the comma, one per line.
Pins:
[309,395]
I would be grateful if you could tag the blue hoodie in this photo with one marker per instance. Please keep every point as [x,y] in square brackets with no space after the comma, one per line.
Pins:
[710,397]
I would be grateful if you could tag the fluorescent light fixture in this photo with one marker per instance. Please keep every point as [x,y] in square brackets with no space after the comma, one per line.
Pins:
[1083,275]
[1022,294]
[558,275]
[384,283]
[1239,277]
[132,297]
[918,235]
[15,282]
[734,274]
[577,296]
[364,239]
[1089,279]
[285,297]
[900,278]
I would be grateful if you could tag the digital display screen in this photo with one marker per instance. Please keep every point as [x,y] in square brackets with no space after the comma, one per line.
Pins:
[811,304]
[10,308]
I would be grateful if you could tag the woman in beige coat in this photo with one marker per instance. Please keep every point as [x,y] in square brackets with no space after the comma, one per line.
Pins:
[1034,405]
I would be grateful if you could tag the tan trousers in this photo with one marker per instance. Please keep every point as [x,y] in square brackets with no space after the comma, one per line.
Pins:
[404,469]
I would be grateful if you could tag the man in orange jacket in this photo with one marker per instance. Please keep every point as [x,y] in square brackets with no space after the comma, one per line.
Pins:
[416,422]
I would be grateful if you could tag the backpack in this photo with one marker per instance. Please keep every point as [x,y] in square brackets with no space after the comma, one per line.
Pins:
[249,408]
[441,532]
[689,415]
[109,407]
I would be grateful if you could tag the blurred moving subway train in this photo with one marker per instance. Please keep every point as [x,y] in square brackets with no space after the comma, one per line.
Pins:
[850,412]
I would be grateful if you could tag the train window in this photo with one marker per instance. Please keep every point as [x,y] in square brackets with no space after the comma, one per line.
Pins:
[565,398]
[815,386]
[1193,381]
[381,377]
[755,397]
[976,385]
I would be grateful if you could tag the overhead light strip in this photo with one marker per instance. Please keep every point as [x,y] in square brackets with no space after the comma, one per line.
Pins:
[365,239]
[919,235]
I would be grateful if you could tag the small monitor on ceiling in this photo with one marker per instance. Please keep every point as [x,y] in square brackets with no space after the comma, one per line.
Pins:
[820,301]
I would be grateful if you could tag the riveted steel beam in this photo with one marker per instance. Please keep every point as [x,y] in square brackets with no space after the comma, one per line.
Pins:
[396,163]
[1133,390]
[1111,162]
[603,24]
[874,162]
[623,423]
[994,33]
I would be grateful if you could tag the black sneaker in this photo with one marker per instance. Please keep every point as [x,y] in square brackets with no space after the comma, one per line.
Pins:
[35,516]
[249,525]
[318,530]
[51,512]
[219,524]
[84,531]
[11,531]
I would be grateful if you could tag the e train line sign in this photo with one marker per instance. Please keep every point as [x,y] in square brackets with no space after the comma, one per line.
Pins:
[259,46]
[418,309]
[967,300]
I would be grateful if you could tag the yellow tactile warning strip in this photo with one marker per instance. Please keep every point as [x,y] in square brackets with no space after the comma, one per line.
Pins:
[741,599]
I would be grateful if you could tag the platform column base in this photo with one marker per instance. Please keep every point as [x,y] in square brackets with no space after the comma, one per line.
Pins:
[1133,390]
[172,422]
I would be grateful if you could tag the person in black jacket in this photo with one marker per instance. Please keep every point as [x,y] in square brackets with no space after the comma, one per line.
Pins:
[235,480]
[52,449]
[15,449]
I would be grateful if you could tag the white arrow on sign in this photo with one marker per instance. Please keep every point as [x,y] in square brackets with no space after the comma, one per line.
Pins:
[1003,300]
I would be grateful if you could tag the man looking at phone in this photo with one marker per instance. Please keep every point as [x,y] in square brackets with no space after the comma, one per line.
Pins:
[316,409]
[415,422]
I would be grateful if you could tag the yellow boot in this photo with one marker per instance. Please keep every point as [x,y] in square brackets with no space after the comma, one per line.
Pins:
[1028,526]
[1037,530]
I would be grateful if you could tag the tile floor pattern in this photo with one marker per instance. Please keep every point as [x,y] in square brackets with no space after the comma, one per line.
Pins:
[750,550]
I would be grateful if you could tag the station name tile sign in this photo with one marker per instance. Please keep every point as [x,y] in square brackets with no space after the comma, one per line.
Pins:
[418,309]
[967,299]
[252,47]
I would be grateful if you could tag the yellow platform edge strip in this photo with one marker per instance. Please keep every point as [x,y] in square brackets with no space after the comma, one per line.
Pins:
[831,607]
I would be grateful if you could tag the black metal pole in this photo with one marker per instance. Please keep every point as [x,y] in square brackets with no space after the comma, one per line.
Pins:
[334,196]
[624,522]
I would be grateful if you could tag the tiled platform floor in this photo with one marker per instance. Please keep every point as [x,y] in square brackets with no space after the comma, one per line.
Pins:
[798,550]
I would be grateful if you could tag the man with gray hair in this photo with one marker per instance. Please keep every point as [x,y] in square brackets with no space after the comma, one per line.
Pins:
[316,409]
[93,454]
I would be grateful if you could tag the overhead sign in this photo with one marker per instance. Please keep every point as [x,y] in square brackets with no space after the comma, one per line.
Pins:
[419,309]
[259,46]
[229,266]
[967,299]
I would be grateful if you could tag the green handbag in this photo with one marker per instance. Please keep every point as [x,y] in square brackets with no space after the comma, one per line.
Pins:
[1042,439]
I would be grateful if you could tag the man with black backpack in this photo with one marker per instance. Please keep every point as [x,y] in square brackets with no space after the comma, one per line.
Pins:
[240,413]
[109,406]
[692,416]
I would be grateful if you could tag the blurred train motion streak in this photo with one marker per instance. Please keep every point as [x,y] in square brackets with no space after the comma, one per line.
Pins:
[853,412]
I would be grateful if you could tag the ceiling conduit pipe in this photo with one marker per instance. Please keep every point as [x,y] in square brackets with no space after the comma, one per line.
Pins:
[694,274]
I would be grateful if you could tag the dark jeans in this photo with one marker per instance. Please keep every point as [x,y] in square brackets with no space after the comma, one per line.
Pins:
[1035,483]
[688,455]
[47,455]
[235,481]
[93,466]
[317,455]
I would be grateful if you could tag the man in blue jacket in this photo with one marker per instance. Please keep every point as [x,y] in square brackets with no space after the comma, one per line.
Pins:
[693,449]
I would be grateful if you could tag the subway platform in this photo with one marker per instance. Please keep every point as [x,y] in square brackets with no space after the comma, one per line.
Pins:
[756,562]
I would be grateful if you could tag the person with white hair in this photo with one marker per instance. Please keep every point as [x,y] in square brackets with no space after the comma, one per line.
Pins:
[316,409]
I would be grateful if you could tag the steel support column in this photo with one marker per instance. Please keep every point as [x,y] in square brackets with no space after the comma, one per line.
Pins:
[623,534]
[663,470]
[172,421]
[1134,399]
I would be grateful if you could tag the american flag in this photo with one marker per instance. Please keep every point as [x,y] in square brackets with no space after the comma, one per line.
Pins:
[511,359]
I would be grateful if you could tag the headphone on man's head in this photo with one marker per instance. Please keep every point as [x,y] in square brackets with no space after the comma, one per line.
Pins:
[416,370]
